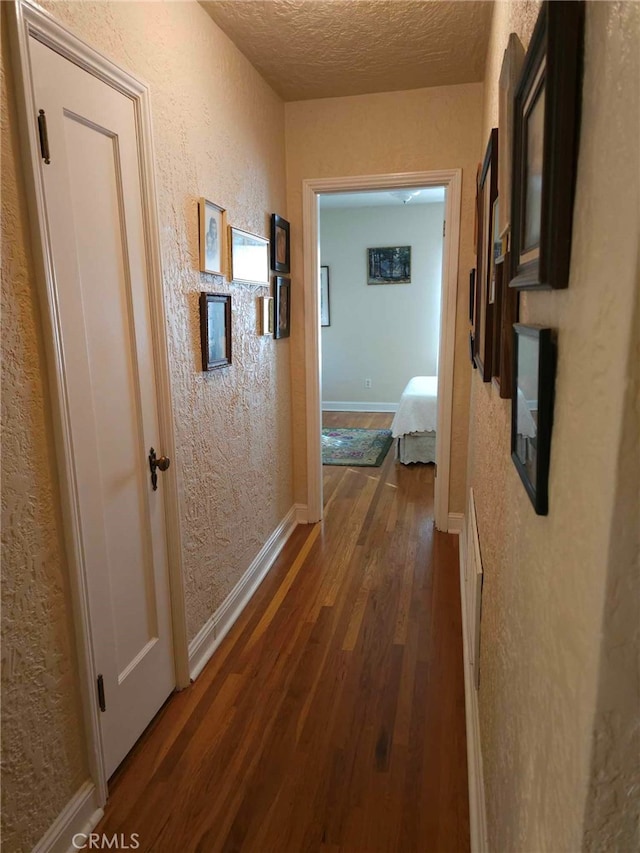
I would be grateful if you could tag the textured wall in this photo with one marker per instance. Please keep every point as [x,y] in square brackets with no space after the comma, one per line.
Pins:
[423,129]
[546,578]
[387,333]
[218,132]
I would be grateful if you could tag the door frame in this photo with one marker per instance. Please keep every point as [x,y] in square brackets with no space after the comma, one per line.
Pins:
[451,179]
[26,19]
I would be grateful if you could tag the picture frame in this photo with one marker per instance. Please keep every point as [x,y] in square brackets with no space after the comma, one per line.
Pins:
[472,294]
[532,402]
[212,228]
[280,244]
[508,305]
[282,305]
[249,257]
[509,75]
[487,191]
[545,149]
[389,265]
[325,312]
[215,330]
[266,315]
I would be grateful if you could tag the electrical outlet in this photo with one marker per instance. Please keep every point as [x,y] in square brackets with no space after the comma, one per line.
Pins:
[367,383]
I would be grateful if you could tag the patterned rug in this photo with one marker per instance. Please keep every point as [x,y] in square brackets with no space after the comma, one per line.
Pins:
[356,447]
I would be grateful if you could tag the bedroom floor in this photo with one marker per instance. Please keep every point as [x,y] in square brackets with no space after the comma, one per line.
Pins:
[331,718]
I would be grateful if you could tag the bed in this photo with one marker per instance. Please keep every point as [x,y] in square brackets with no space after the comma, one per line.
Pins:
[414,424]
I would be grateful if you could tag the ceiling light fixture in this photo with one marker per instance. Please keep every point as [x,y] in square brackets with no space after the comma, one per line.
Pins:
[405,196]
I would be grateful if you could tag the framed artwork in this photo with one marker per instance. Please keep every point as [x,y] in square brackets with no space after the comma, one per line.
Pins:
[472,294]
[508,305]
[496,252]
[266,315]
[390,265]
[215,330]
[545,149]
[213,231]
[282,293]
[532,410]
[509,75]
[249,257]
[484,309]
[325,315]
[280,244]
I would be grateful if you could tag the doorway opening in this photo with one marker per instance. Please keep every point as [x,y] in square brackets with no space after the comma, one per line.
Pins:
[380,291]
[449,182]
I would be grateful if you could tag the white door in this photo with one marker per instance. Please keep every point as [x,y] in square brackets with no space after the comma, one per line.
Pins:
[97,239]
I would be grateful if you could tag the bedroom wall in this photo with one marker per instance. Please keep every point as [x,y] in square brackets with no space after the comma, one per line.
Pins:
[219,132]
[421,129]
[387,333]
[559,687]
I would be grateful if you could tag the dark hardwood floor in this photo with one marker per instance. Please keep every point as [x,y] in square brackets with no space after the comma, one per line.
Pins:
[331,718]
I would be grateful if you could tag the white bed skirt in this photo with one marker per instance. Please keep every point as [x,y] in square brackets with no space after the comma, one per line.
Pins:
[417,447]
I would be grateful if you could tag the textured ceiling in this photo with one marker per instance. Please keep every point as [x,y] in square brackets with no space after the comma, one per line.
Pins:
[329,48]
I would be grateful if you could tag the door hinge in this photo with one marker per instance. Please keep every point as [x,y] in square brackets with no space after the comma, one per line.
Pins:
[435,469]
[101,701]
[44,137]
[444,228]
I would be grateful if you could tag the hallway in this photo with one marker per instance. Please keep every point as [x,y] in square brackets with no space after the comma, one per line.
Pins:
[332,716]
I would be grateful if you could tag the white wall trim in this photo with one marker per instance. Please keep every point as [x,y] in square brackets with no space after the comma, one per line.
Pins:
[456,522]
[342,406]
[477,803]
[27,19]
[81,815]
[302,515]
[451,179]
[218,625]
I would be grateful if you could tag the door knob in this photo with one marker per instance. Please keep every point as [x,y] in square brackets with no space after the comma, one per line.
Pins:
[155,462]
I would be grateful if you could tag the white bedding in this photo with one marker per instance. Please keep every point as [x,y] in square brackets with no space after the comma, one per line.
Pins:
[418,407]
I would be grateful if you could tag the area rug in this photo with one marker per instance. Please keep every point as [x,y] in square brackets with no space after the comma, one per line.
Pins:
[357,447]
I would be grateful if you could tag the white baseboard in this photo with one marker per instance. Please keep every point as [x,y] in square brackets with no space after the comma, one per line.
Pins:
[79,817]
[455,523]
[477,805]
[217,626]
[340,406]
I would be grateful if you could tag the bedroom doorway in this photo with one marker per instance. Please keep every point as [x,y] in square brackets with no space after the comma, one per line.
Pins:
[448,186]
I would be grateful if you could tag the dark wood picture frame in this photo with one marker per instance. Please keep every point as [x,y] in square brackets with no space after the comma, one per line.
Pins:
[325,306]
[545,148]
[282,298]
[280,244]
[472,294]
[486,196]
[508,305]
[215,341]
[533,374]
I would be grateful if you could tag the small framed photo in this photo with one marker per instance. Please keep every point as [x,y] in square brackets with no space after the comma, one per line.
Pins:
[472,293]
[266,315]
[509,75]
[532,410]
[215,330]
[249,257]
[487,191]
[545,148]
[213,231]
[325,315]
[282,290]
[390,265]
[280,244]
